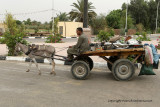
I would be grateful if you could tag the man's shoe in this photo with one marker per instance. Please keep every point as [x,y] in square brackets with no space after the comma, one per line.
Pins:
[69,60]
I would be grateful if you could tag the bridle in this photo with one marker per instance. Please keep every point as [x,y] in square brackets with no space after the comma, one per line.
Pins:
[18,49]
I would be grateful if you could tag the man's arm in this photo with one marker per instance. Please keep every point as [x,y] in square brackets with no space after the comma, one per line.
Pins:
[80,41]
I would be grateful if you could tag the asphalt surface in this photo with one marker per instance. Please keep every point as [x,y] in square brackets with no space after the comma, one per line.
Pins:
[21,89]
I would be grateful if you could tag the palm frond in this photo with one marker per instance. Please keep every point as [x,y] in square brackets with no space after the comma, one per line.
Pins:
[77,12]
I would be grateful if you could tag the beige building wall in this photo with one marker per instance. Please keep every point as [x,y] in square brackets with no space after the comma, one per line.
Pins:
[68,29]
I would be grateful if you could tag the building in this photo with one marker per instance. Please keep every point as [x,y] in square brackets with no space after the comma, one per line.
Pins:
[68,29]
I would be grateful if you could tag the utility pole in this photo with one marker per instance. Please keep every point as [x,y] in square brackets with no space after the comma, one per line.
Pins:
[126,18]
[85,16]
[86,30]
[157,17]
[53,17]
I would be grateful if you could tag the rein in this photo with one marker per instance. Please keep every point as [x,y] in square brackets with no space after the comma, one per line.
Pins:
[29,51]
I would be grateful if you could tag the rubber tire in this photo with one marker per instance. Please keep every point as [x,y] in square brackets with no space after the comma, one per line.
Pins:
[112,59]
[124,62]
[88,60]
[85,66]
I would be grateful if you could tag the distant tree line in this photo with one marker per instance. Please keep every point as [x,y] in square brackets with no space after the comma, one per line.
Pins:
[141,16]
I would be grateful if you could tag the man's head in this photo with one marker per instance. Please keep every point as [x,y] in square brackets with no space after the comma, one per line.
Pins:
[79,31]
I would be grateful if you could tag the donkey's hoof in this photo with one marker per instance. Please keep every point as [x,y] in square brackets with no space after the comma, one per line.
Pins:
[27,70]
[39,73]
[53,73]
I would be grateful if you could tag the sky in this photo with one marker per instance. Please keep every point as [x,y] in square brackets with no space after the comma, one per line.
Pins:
[27,6]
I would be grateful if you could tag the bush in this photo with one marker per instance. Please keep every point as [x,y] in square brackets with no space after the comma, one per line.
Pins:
[137,33]
[143,37]
[14,34]
[57,38]
[98,24]
[105,35]
[122,32]
[2,41]
[140,27]
[54,39]
[11,40]
[158,30]
[149,32]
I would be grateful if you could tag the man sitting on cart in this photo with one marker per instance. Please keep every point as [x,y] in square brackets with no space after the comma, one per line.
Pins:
[81,46]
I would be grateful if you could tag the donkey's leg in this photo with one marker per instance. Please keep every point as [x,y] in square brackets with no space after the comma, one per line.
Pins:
[30,64]
[37,66]
[53,66]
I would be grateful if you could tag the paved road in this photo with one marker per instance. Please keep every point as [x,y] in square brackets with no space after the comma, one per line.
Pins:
[21,89]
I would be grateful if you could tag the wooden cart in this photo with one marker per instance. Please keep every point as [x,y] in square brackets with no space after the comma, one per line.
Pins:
[119,62]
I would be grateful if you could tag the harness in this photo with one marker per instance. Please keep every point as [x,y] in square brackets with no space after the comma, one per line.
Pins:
[33,48]
[29,50]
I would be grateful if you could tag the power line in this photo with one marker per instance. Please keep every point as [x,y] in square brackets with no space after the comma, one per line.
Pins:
[35,12]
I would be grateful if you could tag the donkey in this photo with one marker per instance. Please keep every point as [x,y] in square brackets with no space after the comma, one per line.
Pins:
[39,51]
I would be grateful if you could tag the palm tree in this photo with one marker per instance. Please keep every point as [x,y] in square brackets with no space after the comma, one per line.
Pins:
[77,13]
[63,16]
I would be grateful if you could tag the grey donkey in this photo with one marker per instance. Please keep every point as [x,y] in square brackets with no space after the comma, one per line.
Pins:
[38,51]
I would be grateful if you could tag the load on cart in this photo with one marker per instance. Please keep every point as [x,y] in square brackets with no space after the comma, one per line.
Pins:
[121,58]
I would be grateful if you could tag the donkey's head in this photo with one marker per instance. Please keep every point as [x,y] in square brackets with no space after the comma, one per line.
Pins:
[17,49]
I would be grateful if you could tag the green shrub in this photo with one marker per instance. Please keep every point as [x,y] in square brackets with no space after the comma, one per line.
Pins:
[144,37]
[140,27]
[158,30]
[104,35]
[137,33]
[14,34]
[122,32]
[98,24]
[57,38]
[54,39]
[149,32]
[11,40]
[2,40]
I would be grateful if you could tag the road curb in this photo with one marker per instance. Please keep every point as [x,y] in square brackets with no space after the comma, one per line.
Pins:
[2,57]
[46,37]
[26,59]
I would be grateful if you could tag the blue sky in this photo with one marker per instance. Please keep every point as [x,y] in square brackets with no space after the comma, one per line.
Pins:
[25,6]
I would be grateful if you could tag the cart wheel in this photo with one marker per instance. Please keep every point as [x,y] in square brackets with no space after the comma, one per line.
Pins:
[88,60]
[80,70]
[123,70]
[112,59]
